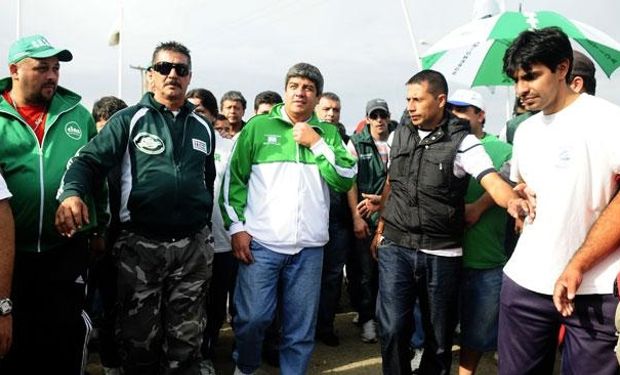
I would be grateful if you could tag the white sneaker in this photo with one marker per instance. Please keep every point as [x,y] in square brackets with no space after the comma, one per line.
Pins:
[356,318]
[111,371]
[417,359]
[369,332]
[206,367]
[239,372]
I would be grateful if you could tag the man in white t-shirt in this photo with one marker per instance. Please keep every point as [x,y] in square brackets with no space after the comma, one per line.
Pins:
[7,254]
[568,155]
[420,231]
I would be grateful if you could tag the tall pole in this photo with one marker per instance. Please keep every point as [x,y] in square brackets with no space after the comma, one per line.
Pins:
[142,71]
[120,52]
[18,26]
[414,45]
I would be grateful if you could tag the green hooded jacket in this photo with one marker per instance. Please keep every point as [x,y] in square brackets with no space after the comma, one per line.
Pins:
[33,172]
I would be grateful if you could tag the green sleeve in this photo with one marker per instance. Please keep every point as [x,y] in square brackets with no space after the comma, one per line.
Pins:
[336,165]
[94,160]
[234,191]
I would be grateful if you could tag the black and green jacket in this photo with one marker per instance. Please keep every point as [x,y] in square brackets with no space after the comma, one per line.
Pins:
[371,172]
[33,172]
[167,168]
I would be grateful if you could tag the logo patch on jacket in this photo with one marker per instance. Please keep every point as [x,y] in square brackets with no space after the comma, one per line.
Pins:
[149,143]
[272,139]
[73,130]
[199,145]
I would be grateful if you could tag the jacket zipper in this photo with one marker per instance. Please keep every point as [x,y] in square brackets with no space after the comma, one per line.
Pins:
[41,177]
[174,161]
[297,152]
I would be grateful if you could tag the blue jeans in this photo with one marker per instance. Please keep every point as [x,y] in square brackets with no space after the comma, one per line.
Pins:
[479,311]
[404,275]
[417,340]
[256,296]
[334,257]
[369,280]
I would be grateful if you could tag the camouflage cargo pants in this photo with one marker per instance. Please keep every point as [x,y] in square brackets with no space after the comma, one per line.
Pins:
[161,295]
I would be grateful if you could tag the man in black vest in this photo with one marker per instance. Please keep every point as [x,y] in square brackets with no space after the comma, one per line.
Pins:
[419,235]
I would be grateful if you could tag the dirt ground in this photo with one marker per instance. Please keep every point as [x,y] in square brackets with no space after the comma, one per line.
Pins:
[352,357]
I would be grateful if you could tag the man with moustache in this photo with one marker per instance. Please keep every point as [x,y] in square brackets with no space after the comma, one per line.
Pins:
[275,203]
[166,155]
[420,232]
[42,125]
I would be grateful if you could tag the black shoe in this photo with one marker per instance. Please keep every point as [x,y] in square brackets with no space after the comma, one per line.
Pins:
[328,338]
[271,357]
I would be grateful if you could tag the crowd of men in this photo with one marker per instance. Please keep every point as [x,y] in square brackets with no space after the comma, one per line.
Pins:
[173,213]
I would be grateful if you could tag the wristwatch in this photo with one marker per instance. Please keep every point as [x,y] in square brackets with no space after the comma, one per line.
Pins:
[6,306]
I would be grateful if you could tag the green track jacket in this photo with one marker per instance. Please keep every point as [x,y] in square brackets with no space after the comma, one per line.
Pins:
[167,168]
[33,172]
[276,190]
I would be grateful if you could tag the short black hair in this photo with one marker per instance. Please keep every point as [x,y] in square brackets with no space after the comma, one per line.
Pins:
[174,47]
[331,96]
[437,83]
[105,107]
[549,46]
[267,97]
[234,96]
[307,71]
[589,83]
[206,97]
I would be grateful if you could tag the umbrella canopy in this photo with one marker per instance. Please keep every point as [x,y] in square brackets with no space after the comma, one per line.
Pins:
[473,54]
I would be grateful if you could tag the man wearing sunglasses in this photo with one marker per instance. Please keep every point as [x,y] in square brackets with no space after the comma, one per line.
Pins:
[166,155]
[372,150]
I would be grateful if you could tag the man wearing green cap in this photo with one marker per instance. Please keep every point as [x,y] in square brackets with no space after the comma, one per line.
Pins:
[42,125]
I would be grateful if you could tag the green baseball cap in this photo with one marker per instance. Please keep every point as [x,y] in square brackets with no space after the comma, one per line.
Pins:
[36,46]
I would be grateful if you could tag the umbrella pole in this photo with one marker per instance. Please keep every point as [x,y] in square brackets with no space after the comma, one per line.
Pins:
[414,44]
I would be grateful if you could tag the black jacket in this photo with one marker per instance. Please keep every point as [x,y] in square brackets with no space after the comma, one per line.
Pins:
[425,209]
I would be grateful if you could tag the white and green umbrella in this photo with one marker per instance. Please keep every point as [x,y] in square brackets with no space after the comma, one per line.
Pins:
[473,54]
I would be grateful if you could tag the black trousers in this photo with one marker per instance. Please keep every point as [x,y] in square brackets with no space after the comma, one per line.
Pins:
[50,327]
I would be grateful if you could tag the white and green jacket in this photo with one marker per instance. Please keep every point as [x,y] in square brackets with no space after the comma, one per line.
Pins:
[276,190]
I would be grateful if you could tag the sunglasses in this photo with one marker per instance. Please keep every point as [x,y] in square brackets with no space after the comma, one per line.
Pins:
[164,68]
[378,115]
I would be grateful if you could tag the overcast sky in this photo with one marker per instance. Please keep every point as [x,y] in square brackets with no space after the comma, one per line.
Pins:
[361,46]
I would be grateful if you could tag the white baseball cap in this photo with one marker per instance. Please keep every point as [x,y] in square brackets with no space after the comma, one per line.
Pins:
[464,98]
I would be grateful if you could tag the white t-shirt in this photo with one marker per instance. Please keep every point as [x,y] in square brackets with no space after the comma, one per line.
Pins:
[383,147]
[570,160]
[223,148]
[4,191]
[472,159]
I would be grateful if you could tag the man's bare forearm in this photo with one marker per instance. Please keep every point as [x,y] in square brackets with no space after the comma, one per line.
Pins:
[384,197]
[352,200]
[602,239]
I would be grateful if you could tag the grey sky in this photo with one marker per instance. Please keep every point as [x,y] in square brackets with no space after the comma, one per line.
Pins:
[361,46]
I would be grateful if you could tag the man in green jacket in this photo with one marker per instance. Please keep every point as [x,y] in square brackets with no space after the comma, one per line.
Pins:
[166,155]
[372,150]
[42,125]
[275,203]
